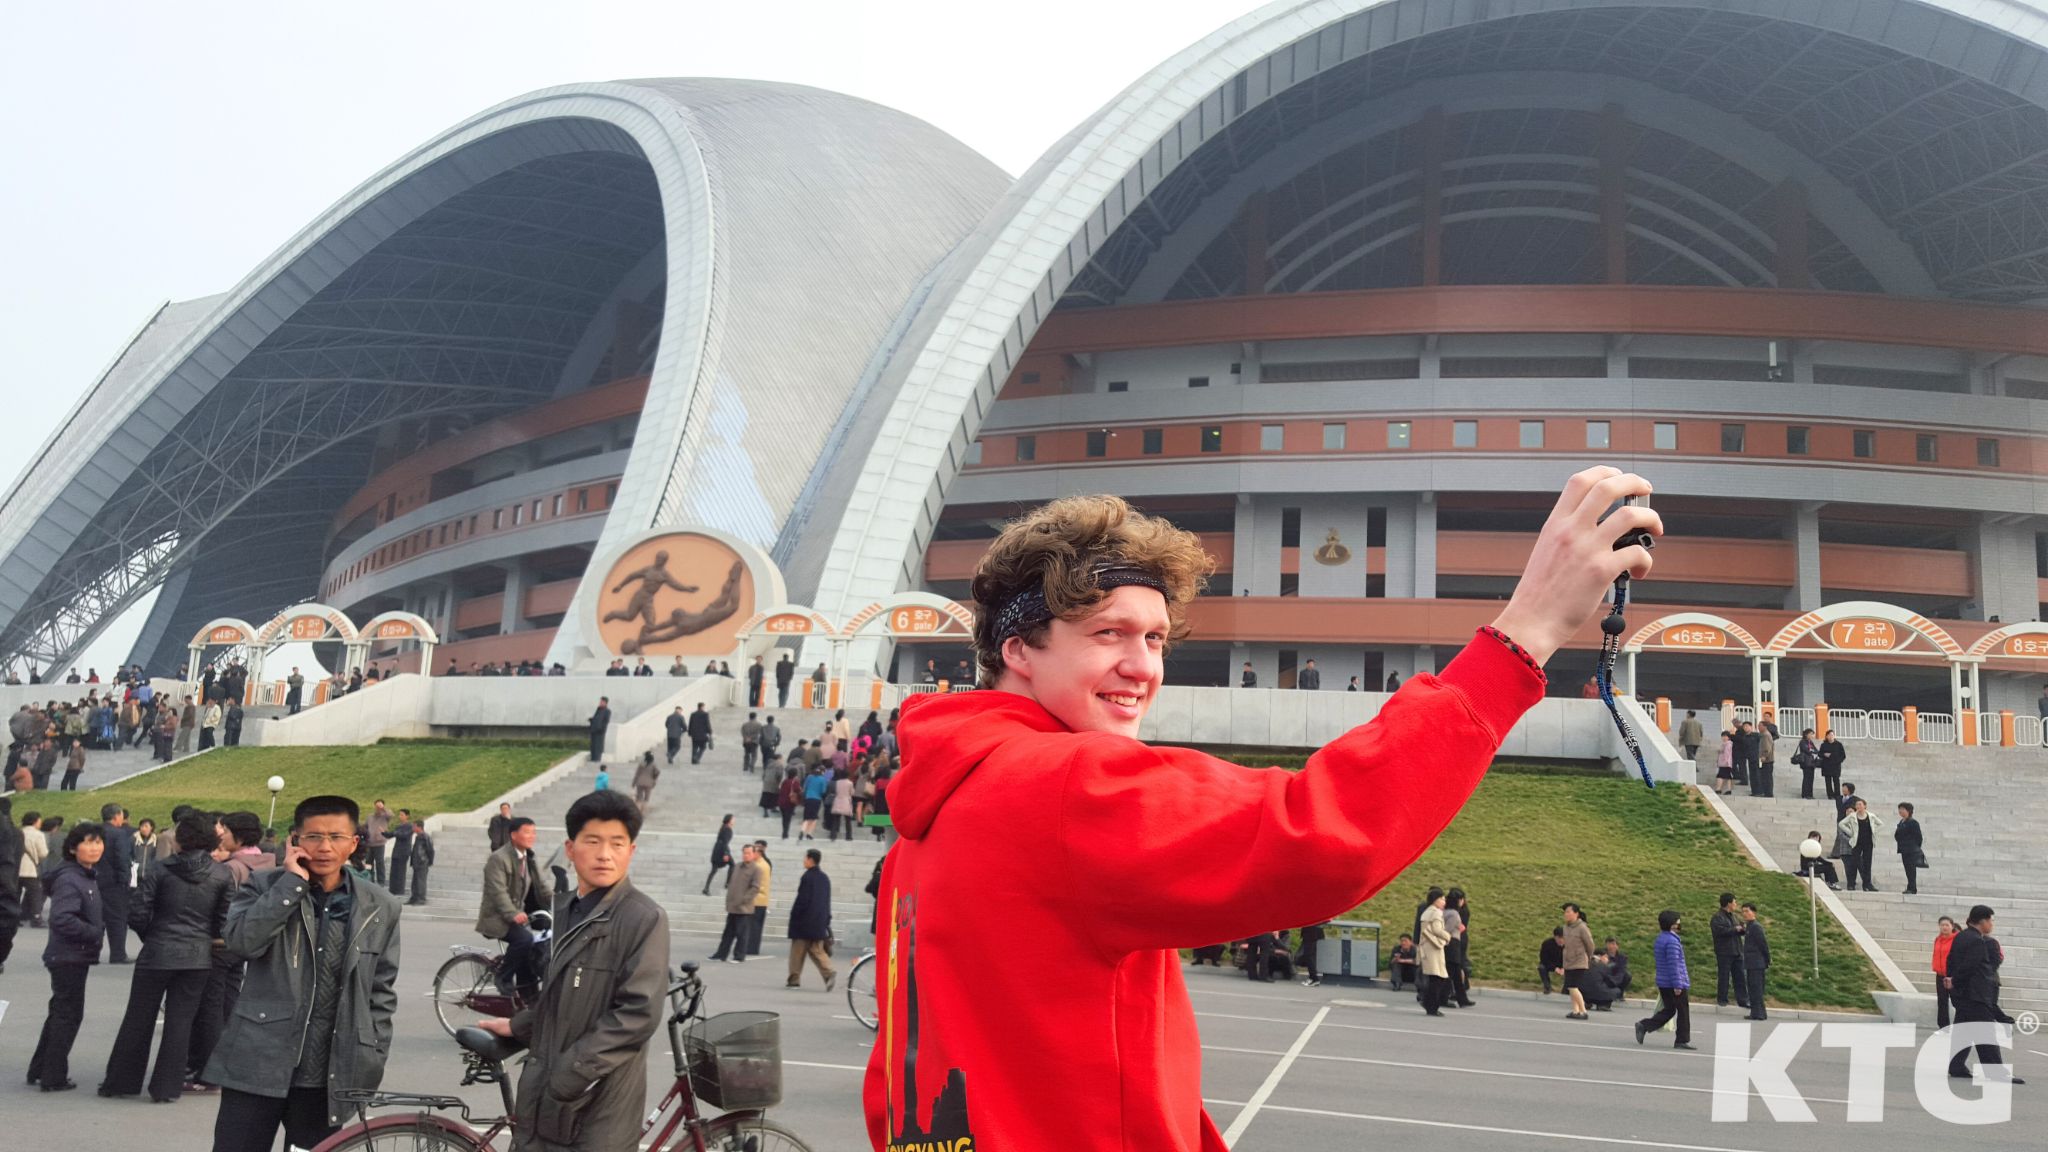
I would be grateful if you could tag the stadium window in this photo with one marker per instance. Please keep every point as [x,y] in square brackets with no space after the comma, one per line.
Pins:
[1733,436]
[1333,437]
[1272,437]
[1532,433]
[556,508]
[472,525]
[1400,433]
[583,499]
[1031,378]
[497,519]
[1290,527]
[1599,434]
[1664,437]
[1155,441]
[1119,385]
[1865,444]
[1798,440]
[1987,453]
[1464,433]
[1198,381]
[536,511]
[1237,368]
[517,511]
[444,533]
[1027,449]
[1926,448]
[1212,437]
[1098,442]
[611,494]
[974,453]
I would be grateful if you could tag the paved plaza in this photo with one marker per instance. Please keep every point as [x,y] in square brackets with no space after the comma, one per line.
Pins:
[1295,1067]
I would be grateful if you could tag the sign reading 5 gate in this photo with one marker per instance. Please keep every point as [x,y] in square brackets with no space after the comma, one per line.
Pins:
[308,628]
[787,624]
[1863,635]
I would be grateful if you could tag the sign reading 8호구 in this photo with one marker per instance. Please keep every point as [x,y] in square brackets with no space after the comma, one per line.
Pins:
[2035,646]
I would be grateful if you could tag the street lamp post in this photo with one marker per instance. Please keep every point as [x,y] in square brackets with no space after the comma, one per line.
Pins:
[276,785]
[1809,850]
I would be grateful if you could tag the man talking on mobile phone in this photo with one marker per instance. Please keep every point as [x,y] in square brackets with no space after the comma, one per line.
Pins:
[1075,606]
[314,1018]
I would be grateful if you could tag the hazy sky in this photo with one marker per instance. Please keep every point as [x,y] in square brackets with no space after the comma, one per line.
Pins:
[159,151]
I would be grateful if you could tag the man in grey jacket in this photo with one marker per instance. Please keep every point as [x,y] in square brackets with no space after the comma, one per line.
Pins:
[742,885]
[314,1017]
[585,1081]
[515,887]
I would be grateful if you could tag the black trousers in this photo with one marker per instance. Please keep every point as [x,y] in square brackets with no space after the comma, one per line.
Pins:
[178,993]
[1675,1004]
[376,854]
[675,744]
[726,868]
[1972,1012]
[697,747]
[205,739]
[1912,878]
[596,744]
[782,695]
[11,914]
[1433,989]
[788,814]
[51,1063]
[114,907]
[757,924]
[248,1122]
[522,964]
[1742,769]
[1728,973]
[747,754]
[1543,971]
[1760,779]
[1941,1006]
[419,884]
[1859,863]
[1806,782]
[733,941]
[223,990]
[1754,978]
[400,854]
[32,900]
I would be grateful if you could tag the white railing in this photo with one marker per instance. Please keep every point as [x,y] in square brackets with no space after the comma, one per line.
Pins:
[2026,730]
[1937,728]
[1744,713]
[919,689]
[961,687]
[1989,729]
[1849,723]
[1887,726]
[1793,721]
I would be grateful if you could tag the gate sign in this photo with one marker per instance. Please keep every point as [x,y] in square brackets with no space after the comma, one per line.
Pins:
[2034,645]
[396,630]
[308,628]
[1863,635]
[915,621]
[226,634]
[1692,636]
[788,624]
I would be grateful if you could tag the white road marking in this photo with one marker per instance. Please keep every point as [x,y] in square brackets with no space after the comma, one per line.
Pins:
[1575,1137]
[1273,1078]
[838,1067]
[1508,1040]
[1493,1072]
[1259,1019]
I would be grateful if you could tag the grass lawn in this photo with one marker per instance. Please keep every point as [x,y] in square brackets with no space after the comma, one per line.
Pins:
[1531,839]
[425,776]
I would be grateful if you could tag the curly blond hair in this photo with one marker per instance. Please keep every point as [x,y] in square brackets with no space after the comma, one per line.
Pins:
[1058,549]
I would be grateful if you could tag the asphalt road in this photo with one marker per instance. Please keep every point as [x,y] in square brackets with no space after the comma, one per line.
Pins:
[1285,1067]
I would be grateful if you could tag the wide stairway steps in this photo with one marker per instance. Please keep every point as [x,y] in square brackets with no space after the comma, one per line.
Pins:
[1980,811]
[674,849]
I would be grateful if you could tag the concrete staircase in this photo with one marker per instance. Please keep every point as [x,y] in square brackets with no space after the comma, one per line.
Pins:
[1981,813]
[675,841]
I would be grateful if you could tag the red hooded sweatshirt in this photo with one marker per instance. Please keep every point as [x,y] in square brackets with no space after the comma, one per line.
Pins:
[1030,916]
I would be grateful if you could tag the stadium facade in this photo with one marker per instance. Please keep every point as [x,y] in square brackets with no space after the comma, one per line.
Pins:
[1346,287]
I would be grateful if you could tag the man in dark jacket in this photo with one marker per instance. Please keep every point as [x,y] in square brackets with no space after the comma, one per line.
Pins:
[1308,679]
[11,843]
[422,861]
[501,826]
[675,724]
[810,922]
[755,675]
[318,991]
[600,720]
[1756,958]
[1762,781]
[113,878]
[700,733]
[180,908]
[1906,835]
[785,671]
[1549,958]
[1973,988]
[1726,927]
[1745,750]
[401,851]
[585,1081]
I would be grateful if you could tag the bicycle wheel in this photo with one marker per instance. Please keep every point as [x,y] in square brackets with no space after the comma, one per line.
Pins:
[419,1133]
[860,991]
[462,976]
[750,1132]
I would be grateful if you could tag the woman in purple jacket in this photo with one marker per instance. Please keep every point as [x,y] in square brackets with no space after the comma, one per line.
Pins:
[74,946]
[1673,982]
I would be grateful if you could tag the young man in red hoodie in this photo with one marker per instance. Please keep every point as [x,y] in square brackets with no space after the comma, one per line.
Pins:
[1039,835]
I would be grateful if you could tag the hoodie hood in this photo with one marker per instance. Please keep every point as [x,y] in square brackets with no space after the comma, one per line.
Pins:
[190,866]
[944,738]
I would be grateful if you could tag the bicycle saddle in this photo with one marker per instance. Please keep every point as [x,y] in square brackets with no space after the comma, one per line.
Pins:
[490,1047]
[689,967]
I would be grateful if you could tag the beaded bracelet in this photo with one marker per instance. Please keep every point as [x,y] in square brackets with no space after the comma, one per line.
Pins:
[1497,634]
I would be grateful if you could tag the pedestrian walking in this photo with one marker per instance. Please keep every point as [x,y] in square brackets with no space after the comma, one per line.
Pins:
[1944,939]
[600,720]
[721,854]
[1457,924]
[759,924]
[700,733]
[1674,983]
[74,766]
[810,922]
[1973,960]
[742,883]
[842,807]
[674,724]
[785,671]
[1429,953]
[1578,959]
[1906,835]
[644,779]
[76,925]
[1691,735]
[180,909]
[789,796]
[1724,764]
[35,848]
[750,742]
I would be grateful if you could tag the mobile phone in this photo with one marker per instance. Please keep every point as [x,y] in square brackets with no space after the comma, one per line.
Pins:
[1639,536]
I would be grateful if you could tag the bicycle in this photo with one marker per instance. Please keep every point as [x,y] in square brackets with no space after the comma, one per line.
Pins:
[466,988]
[738,1064]
[860,991]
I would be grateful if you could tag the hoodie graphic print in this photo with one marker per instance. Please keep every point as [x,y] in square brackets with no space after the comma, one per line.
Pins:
[1030,917]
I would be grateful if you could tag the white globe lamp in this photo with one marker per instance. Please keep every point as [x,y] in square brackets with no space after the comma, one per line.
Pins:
[276,785]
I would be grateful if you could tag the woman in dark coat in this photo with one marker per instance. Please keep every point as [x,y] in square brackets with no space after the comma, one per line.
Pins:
[1456,957]
[721,853]
[1831,756]
[73,948]
[1906,834]
[179,911]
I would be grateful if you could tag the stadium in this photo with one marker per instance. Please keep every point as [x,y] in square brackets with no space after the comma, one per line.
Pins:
[1347,288]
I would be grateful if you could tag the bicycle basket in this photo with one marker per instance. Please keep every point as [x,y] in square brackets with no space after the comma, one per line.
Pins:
[735,1060]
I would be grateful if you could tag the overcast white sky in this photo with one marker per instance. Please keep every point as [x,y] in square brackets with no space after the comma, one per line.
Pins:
[160,151]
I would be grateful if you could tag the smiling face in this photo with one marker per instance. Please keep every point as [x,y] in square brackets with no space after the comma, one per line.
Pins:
[1099,673]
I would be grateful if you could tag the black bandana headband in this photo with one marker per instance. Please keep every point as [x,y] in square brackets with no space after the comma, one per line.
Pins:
[1027,609]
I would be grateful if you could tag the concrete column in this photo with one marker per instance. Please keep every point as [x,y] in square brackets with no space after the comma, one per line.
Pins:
[1425,546]
[1401,540]
[511,617]
[1429,361]
[1253,565]
[2002,552]
[1805,683]
[1804,595]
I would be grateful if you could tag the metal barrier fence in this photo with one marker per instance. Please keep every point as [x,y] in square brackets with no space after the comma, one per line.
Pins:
[1744,713]
[2026,731]
[1849,723]
[1887,726]
[1990,728]
[1937,728]
[1793,721]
